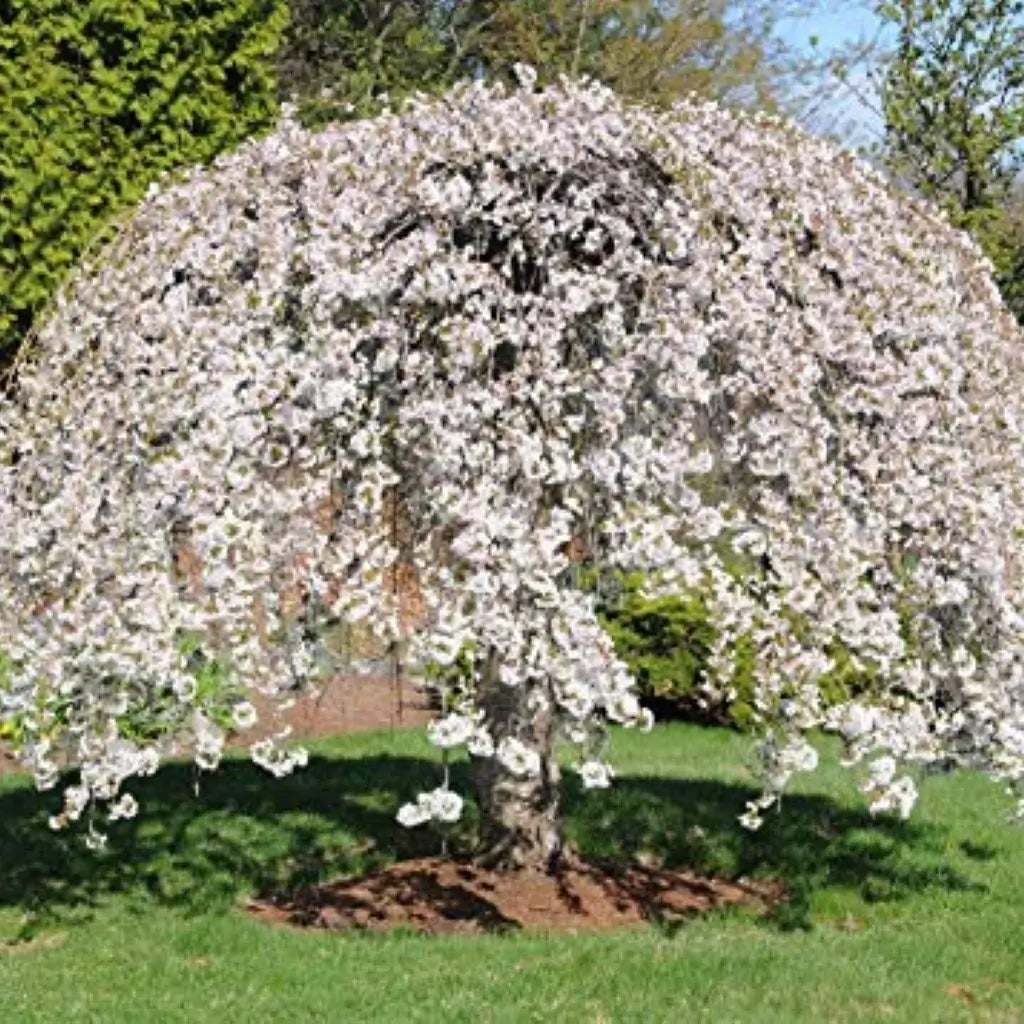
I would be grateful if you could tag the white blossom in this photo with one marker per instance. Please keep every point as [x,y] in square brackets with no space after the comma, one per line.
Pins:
[596,775]
[799,757]
[480,743]
[126,806]
[243,715]
[441,805]
[412,814]
[899,796]
[517,757]
[277,760]
[881,772]
[451,731]
[752,817]
[857,721]
[95,840]
[479,345]
[445,805]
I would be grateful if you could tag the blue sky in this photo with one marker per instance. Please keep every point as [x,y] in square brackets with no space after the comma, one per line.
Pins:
[843,23]
[836,24]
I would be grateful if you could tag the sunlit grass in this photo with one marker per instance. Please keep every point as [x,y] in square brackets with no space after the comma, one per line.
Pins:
[922,921]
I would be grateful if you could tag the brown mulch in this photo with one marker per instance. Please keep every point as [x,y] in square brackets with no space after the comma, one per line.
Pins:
[345,704]
[441,896]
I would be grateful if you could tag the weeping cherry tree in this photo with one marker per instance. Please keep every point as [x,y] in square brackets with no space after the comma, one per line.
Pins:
[490,348]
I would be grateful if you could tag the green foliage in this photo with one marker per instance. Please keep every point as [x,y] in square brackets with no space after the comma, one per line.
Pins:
[953,103]
[341,58]
[8,730]
[667,641]
[999,230]
[100,97]
[652,51]
[217,691]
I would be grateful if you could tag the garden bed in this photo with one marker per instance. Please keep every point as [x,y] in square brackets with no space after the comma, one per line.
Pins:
[440,895]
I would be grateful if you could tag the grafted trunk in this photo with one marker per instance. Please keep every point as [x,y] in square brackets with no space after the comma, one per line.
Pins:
[522,824]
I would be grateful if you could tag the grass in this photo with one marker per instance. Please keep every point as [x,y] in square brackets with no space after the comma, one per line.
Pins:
[889,921]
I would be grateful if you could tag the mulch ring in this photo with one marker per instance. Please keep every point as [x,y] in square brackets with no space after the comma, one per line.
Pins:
[442,896]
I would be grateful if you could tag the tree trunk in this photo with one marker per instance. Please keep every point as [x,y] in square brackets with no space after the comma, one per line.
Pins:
[522,824]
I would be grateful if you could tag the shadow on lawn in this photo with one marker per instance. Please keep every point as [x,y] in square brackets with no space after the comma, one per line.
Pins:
[246,833]
[813,843]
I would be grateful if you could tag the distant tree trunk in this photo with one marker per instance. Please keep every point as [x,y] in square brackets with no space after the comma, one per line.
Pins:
[522,824]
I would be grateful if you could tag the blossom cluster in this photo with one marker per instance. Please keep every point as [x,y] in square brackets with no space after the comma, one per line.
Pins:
[484,343]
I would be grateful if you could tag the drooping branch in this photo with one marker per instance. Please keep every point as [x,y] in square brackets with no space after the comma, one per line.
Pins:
[478,351]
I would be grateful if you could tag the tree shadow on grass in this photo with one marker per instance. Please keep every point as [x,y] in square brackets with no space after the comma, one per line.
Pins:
[814,843]
[241,831]
[248,833]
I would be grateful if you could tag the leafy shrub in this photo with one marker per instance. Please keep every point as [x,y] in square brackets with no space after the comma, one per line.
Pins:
[667,641]
[100,97]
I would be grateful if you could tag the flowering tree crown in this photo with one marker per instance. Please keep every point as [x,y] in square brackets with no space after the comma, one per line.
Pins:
[485,345]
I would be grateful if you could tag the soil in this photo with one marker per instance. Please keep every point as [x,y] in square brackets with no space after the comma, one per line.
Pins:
[442,896]
[346,704]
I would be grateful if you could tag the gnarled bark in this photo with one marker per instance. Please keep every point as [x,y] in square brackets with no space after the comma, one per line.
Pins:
[522,825]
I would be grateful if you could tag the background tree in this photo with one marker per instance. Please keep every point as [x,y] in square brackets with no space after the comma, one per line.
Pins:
[340,57]
[497,344]
[652,50]
[100,97]
[953,104]
[1010,262]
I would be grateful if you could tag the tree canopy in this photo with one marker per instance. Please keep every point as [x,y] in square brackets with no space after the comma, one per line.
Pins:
[953,102]
[105,95]
[486,344]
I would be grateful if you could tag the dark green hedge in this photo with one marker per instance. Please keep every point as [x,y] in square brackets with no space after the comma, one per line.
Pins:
[99,97]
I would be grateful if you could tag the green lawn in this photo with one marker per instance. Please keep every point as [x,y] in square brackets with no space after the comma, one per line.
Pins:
[921,921]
